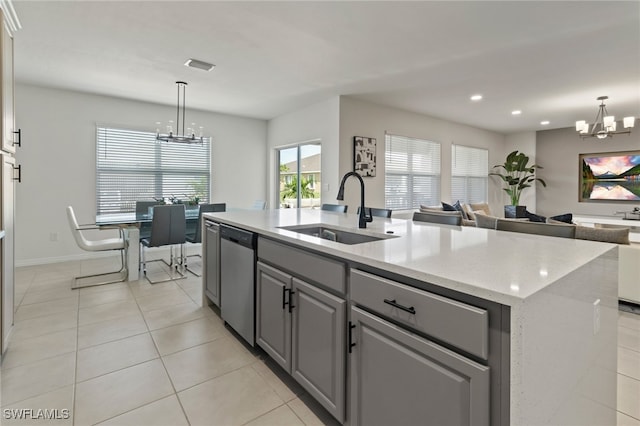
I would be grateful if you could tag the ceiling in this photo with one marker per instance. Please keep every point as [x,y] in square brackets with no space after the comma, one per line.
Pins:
[550,59]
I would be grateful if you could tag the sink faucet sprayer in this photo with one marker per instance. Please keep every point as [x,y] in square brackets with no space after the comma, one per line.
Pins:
[363,218]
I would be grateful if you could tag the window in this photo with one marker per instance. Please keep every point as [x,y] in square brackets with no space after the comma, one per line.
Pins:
[299,176]
[412,172]
[131,165]
[469,174]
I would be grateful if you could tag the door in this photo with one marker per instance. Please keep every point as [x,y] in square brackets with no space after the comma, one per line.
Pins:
[6,221]
[299,176]
[273,320]
[318,345]
[212,258]
[399,378]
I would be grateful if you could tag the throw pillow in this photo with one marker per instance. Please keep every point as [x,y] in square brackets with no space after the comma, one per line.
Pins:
[481,206]
[448,207]
[534,217]
[455,207]
[424,208]
[605,235]
[566,218]
[470,214]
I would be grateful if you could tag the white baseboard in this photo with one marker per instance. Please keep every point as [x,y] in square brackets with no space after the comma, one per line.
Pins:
[189,249]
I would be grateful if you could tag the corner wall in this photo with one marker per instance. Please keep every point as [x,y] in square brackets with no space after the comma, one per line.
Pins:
[317,122]
[58,162]
[557,151]
[360,118]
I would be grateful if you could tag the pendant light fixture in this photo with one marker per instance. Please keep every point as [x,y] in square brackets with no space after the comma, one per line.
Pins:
[177,133]
[604,125]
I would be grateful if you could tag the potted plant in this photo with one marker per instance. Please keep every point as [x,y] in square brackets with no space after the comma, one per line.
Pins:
[516,175]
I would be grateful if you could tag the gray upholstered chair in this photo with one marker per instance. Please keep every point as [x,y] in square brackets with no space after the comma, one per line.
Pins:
[196,236]
[168,228]
[443,218]
[108,244]
[378,212]
[334,208]
[142,208]
[548,229]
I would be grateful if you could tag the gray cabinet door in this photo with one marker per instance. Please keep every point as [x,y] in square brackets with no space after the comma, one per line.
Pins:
[318,358]
[273,320]
[212,258]
[399,378]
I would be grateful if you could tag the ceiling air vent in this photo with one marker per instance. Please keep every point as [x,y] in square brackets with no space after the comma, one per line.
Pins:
[201,65]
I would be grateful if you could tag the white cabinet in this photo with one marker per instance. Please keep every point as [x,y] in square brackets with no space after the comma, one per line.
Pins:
[9,138]
[7,259]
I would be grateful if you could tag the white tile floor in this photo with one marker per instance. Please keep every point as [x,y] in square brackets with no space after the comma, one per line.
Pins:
[137,354]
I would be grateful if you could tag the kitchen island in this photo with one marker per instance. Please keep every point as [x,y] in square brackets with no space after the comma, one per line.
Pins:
[519,329]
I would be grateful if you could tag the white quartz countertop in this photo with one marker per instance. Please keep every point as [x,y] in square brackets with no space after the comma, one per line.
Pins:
[500,266]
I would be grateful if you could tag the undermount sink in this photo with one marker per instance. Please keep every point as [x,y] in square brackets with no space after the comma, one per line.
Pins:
[319,230]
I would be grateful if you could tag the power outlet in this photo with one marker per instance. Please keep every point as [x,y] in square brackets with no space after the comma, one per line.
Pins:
[596,316]
[53,236]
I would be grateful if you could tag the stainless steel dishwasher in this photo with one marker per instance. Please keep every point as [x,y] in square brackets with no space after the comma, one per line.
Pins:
[211,254]
[237,280]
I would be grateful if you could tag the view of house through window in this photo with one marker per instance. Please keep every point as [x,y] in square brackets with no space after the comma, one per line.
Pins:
[469,174]
[412,172]
[132,166]
[299,176]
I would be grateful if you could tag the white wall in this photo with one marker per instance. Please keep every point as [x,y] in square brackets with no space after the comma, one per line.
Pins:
[317,122]
[359,118]
[557,151]
[58,162]
[524,142]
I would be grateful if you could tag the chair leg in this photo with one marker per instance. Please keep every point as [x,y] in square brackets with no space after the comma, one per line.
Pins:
[173,264]
[121,276]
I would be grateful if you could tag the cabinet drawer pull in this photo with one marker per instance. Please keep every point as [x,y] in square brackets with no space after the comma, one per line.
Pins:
[284,297]
[290,302]
[19,169]
[351,344]
[19,133]
[393,303]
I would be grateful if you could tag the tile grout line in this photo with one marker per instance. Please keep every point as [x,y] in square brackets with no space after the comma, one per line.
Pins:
[175,392]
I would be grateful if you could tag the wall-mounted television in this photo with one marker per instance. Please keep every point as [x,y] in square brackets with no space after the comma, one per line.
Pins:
[610,176]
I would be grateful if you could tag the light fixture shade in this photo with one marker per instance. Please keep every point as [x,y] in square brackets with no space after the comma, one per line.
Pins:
[580,125]
[608,121]
[613,126]
[628,122]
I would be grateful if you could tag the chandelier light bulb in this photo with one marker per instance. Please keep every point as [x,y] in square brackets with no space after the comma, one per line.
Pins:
[580,125]
[608,121]
[628,122]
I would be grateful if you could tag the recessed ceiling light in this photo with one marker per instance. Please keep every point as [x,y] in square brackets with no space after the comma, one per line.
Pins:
[545,122]
[476,97]
[201,65]
[516,112]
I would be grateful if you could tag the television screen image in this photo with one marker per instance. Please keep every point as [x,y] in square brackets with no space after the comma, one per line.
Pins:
[611,176]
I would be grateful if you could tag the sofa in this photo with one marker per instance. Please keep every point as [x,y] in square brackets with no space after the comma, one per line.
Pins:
[479,215]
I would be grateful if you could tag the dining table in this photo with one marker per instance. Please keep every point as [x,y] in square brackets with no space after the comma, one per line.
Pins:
[130,223]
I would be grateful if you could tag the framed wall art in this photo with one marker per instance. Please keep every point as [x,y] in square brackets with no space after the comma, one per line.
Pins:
[364,156]
[610,176]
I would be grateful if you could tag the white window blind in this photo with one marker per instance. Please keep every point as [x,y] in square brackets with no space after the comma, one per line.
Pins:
[469,174]
[131,165]
[412,172]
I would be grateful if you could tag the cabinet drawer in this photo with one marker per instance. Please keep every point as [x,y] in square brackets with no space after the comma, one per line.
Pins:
[315,268]
[459,324]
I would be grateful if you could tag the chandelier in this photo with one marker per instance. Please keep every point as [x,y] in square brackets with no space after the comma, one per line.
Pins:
[178,134]
[604,125]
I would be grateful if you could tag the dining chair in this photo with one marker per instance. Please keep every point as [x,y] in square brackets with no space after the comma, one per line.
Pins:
[142,208]
[373,211]
[108,244]
[168,228]
[449,218]
[334,208]
[196,236]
